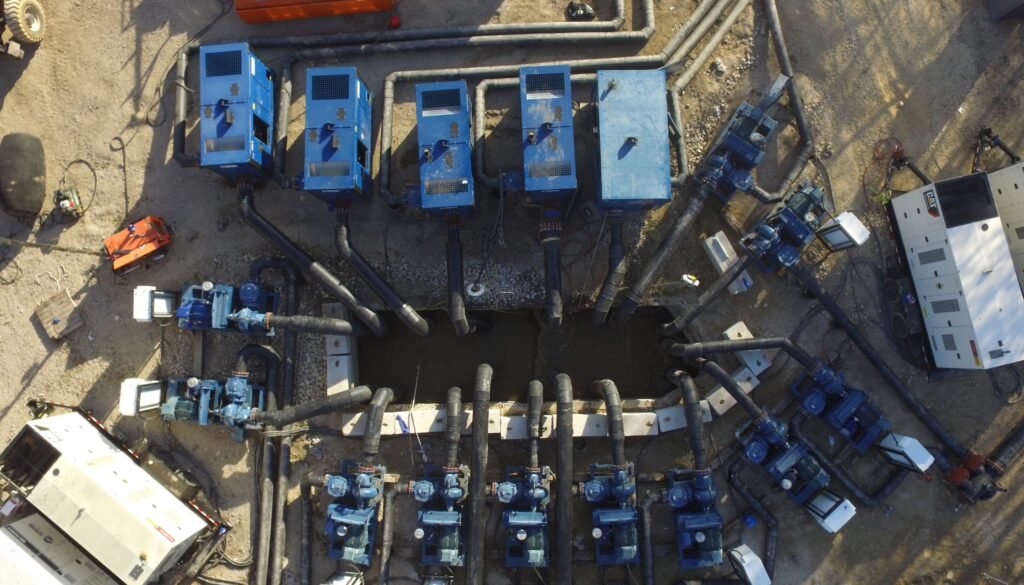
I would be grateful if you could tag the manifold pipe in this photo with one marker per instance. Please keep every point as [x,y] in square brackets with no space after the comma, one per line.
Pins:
[694,418]
[647,538]
[869,500]
[534,405]
[456,282]
[342,240]
[374,424]
[305,263]
[707,297]
[917,407]
[563,481]
[706,348]
[715,371]
[613,405]
[551,242]
[312,408]
[310,324]
[616,270]
[771,524]
[453,426]
[306,561]
[388,538]
[478,477]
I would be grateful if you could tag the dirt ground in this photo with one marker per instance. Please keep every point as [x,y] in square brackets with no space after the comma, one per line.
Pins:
[928,72]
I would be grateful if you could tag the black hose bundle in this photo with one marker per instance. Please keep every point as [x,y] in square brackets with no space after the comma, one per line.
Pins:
[309,409]
[616,432]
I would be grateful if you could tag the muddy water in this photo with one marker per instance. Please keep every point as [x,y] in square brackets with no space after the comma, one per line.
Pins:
[519,349]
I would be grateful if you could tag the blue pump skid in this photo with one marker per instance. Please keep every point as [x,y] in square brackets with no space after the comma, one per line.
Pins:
[549,149]
[445,147]
[206,402]
[846,410]
[220,307]
[351,524]
[338,134]
[611,491]
[236,111]
[632,120]
[693,497]
[526,494]
[782,237]
[441,492]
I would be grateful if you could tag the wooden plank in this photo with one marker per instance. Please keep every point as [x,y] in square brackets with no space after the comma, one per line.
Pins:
[58,316]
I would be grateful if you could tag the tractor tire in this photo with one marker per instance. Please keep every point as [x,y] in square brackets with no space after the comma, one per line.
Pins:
[22,175]
[26,20]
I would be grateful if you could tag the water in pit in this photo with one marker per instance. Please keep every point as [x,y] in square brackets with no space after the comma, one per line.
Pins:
[519,349]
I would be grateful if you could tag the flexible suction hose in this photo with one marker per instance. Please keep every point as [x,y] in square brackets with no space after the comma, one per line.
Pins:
[374,424]
[647,538]
[312,408]
[551,241]
[694,418]
[706,348]
[388,539]
[534,405]
[453,426]
[408,315]
[616,433]
[303,262]
[616,270]
[456,283]
[563,480]
[478,477]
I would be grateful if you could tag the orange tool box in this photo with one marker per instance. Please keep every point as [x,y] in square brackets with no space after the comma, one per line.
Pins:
[145,240]
[255,11]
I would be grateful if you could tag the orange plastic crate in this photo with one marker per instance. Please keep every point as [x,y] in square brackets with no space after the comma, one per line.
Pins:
[256,11]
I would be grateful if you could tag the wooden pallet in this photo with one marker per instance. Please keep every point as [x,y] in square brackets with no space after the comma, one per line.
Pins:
[58,316]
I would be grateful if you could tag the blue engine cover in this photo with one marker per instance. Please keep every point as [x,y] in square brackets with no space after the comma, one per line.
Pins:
[445,146]
[338,134]
[351,533]
[236,111]
[526,544]
[202,310]
[442,543]
[632,119]
[618,542]
[549,150]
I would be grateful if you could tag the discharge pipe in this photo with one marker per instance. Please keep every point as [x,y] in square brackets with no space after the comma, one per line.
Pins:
[453,426]
[456,281]
[551,241]
[312,408]
[564,479]
[305,263]
[746,402]
[616,433]
[705,348]
[616,269]
[478,477]
[647,537]
[374,424]
[534,405]
[388,539]
[373,279]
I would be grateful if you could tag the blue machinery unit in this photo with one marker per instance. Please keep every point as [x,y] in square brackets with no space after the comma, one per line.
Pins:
[549,149]
[526,494]
[632,120]
[236,117]
[611,491]
[351,524]
[441,491]
[338,134]
[782,237]
[208,402]
[694,500]
[445,147]
[217,307]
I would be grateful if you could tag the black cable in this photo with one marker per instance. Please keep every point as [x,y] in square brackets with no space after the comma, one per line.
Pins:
[1013,395]
[63,218]
[118,144]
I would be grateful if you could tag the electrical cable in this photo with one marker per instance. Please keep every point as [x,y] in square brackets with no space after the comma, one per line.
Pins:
[64,218]
[1013,395]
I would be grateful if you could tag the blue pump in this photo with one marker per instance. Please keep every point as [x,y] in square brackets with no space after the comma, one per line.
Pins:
[526,494]
[611,490]
[351,524]
[441,491]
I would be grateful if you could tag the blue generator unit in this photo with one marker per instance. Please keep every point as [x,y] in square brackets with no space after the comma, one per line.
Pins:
[236,111]
[445,145]
[338,130]
[632,124]
[549,151]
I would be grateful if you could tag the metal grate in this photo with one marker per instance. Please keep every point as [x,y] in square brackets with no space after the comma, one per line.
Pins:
[545,85]
[224,63]
[330,169]
[946,306]
[330,87]
[936,255]
[226,144]
[447,186]
[1020,233]
[949,342]
[549,169]
[441,98]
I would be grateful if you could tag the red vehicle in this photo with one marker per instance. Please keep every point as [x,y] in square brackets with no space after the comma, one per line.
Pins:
[255,11]
[145,240]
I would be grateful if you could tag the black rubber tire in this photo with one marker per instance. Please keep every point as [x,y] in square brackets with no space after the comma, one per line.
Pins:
[22,175]
[26,19]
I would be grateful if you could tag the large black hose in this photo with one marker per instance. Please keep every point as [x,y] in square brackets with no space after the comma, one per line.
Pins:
[616,433]
[305,263]
[279,532]
[869,500]
[266,504]
[1007,452]
[665,249]
[373,279]
[309,409]
[534,405]
[388,539]
[453,426]
[563,479]
[551,242]
[771,524]
[456,283]
[616,270]
[374,424]
[478,477]
[756,412]
[912,401]
[647,538]
[306,561]
[706,348]
[708,296]
[694,418]
[309,324]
